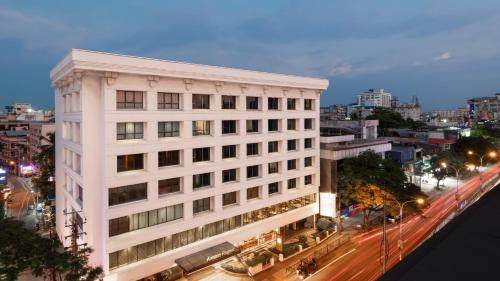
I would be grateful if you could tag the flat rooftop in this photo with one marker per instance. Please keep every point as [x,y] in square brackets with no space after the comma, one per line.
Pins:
[467,248]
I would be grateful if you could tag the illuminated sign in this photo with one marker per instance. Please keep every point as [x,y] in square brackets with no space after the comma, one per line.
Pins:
[327,204]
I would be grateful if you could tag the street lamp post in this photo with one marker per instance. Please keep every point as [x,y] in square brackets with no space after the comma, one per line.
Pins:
[491,154]
[457,174]
[401,206]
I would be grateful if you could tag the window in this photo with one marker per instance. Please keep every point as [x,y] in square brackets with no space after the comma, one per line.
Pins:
[201,205]
[291,124]
[201,154]
[229,198]
[308,143]
[228,127]
[292,145]
[252,149]
[130,162]
[290,104]
[308,104]
[273,188]
[252,192]
[228,151]
[308,123]
[129,130]
[252,103]
[168,129]
[168,101]
[228,102]
[169,186]
[273,125]
[273,146]
[169,158]
[292,183]
[252,171]
[79,190]
[273,167]
[308,162]
[119,225]
[129,100]
[273,103]
[292,164]
[201,101]
[252,126]
[128,193]
[201,180]
[201,128]
[308,179]
[229,175]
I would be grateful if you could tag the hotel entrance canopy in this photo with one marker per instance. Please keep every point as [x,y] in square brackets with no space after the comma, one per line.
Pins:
[206,257]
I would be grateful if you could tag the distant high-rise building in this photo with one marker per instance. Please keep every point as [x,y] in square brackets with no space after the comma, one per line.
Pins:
[375,97]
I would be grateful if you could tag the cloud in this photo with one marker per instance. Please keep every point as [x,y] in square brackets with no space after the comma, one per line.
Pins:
[341,69]
[443,56]
[35,31]
[417,63]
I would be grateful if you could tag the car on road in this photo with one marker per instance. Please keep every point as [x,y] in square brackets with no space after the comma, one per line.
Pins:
[6,190]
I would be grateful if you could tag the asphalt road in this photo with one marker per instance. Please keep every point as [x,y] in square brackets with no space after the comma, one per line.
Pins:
[21,198]
[360,259]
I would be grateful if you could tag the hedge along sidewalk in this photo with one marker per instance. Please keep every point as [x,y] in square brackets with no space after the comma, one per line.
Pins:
[309,247]
[279,270]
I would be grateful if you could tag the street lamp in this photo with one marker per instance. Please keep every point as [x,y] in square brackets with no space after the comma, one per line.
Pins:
[419,201]
[457,170]
[491,154]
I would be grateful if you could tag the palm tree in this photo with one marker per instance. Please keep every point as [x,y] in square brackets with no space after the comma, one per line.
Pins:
[45,161]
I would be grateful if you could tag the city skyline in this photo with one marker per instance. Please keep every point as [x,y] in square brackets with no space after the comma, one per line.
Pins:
[439,52]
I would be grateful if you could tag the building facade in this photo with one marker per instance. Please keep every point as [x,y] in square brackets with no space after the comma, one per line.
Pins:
[375,97]
[484,108]
[38,136]
[163,159]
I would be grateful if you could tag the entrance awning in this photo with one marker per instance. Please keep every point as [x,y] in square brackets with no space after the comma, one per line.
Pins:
[206,257]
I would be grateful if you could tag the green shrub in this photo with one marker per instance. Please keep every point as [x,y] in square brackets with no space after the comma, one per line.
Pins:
[259,258]
[234,267]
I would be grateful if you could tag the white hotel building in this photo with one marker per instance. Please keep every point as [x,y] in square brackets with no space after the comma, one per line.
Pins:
[163,159]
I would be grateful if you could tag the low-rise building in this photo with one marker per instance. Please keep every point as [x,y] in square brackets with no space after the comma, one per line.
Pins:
[37,137]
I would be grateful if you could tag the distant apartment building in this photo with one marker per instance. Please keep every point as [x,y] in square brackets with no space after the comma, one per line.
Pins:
[13,148]
[376,98]
[176,164]
[37,137]
[409,111]
[484,108]
[333,112]
[459,115]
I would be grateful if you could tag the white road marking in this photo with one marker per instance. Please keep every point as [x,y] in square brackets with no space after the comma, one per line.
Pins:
[332,262]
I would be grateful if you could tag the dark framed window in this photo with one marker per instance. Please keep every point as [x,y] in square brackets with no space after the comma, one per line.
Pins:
[129,100]
[292,183]
[229,198]
[308,123]
[228,151]
[308,104]
[253,192]
[252,149]
[292,145]
[128,193]
[167,186]
[291,104]
[252,126]
[168,129]
[273,125]
[201,154]
[201,101]
[228,102]
[292,164]
[228,127]
[273,103]
[168,101]
[273,146]
[201,128]
[291,124]
[252,171]
[129,130]
[79,190]
[308,143]
[130,162]
[119,225]
[252,103]
[273,167]
[273,188]
[229,175]
[201,180]
[308,179]
[201,205]
[308,162]
[169,158]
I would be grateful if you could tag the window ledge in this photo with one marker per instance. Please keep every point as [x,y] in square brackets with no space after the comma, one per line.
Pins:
[230,206]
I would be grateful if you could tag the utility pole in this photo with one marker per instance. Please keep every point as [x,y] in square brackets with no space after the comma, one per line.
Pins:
[384,238]
[74,221]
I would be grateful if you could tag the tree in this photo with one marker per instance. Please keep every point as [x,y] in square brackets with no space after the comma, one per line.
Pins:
[42,256]
[480,146]
[437,171]
[45,161]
